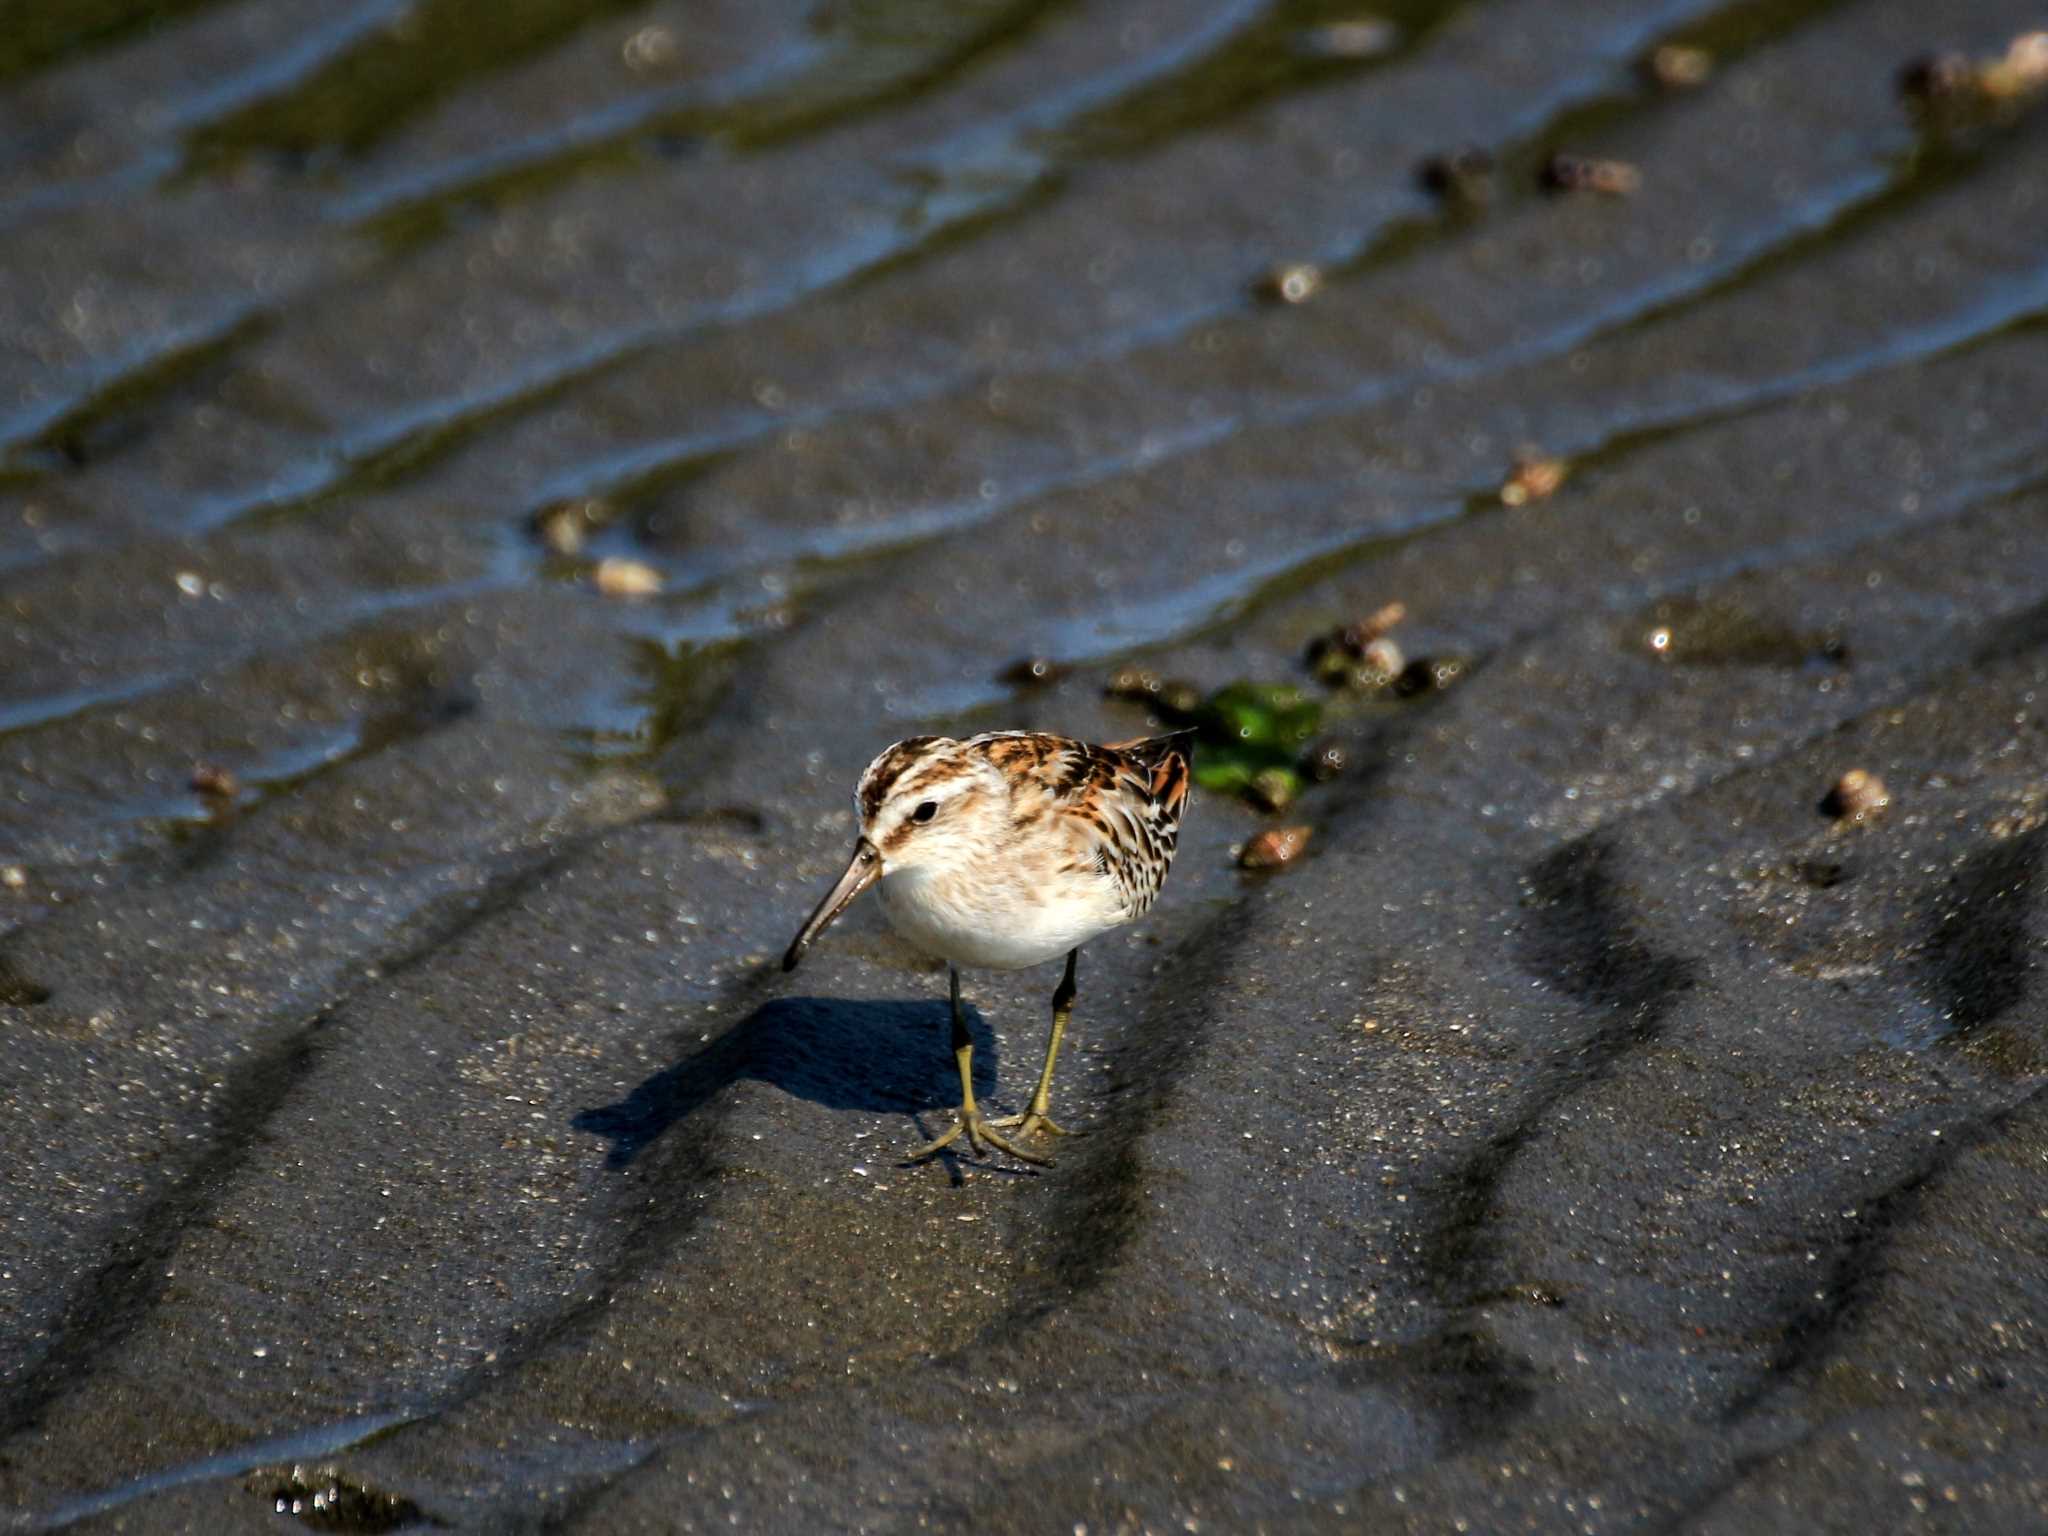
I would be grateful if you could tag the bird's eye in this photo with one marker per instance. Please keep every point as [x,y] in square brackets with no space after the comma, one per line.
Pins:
[926,811]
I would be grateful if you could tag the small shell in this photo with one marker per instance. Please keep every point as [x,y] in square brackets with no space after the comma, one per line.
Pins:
[1334,655]
[2022,71]
[214,781]
[13,877]
[1535,477]
[620,577]
[1379,664]
[1677,68]
[1857,795]
[1274,847]
[561,530]
[1292,282]
[1578,173]
[1382,620]
[2029,55]
[1363,37]
[651,48]
[565,526]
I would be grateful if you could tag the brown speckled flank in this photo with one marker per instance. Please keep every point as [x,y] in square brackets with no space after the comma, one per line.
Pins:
[1007,850]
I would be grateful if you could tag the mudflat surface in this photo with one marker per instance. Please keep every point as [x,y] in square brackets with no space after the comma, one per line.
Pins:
[1587,1133]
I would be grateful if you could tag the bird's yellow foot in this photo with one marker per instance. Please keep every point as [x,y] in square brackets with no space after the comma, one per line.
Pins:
[968,1122]
[1033,1122]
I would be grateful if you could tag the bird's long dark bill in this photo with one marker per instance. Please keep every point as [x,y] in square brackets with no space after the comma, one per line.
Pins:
[863,872]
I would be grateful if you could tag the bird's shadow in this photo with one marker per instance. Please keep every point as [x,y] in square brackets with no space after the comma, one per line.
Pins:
[885,1057]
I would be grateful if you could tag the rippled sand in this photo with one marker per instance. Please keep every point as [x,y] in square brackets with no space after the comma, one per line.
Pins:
[1588,1132]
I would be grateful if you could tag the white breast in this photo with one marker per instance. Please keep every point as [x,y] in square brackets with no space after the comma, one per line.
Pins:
[999,927]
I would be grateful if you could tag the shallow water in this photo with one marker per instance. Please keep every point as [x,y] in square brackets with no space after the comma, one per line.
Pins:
[1588,1132]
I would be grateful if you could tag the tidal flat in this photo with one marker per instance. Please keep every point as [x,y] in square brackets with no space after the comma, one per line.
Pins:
[477,483]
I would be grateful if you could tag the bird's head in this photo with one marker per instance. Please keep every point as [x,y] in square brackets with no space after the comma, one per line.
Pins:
[923,804]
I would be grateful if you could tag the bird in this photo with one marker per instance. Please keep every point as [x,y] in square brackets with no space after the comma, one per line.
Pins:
[1007,850]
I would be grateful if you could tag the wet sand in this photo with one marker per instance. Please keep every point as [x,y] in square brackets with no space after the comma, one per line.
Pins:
[1588,1131]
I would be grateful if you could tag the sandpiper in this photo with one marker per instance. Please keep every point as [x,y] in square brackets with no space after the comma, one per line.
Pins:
[1006,850]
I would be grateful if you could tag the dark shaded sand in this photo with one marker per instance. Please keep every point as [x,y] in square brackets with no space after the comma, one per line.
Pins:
[1587,1133]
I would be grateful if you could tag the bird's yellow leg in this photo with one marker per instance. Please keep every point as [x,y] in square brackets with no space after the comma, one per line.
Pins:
[969,1121]
[1036,1119]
